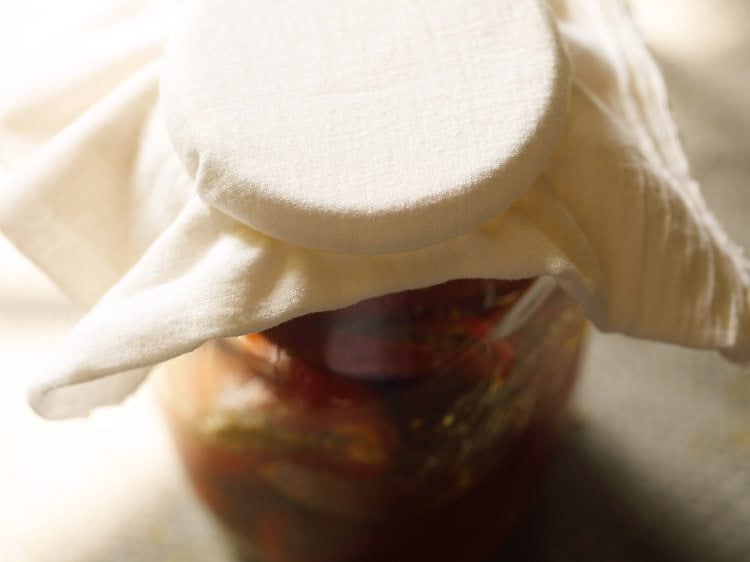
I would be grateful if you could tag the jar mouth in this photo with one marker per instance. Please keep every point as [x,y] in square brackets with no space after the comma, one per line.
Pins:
[405,335]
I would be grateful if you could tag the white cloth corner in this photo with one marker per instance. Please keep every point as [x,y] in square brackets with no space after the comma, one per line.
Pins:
[106,207]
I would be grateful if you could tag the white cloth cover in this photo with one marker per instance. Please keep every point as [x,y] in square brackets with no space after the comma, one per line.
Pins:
[98,196]
[364,127]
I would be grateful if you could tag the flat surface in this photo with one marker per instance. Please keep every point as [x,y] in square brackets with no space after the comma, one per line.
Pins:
[654,466]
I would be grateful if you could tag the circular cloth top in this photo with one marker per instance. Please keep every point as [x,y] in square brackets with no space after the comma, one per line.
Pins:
[361,126]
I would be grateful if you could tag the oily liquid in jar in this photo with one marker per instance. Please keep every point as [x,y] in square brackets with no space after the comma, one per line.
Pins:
[407,427]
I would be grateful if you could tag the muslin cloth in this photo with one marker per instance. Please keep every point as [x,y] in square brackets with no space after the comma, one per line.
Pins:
[98,196]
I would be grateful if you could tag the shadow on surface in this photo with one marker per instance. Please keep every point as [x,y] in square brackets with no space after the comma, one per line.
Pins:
[588,511]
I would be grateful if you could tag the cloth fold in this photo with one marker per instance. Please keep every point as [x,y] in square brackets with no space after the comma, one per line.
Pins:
[107,209]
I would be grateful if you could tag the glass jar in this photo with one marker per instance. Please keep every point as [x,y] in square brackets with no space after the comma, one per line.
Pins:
[407,427]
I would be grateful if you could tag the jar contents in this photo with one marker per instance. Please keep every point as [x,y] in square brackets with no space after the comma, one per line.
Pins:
[407,427]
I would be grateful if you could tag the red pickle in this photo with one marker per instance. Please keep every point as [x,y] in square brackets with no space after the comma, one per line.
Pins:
[407,427]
